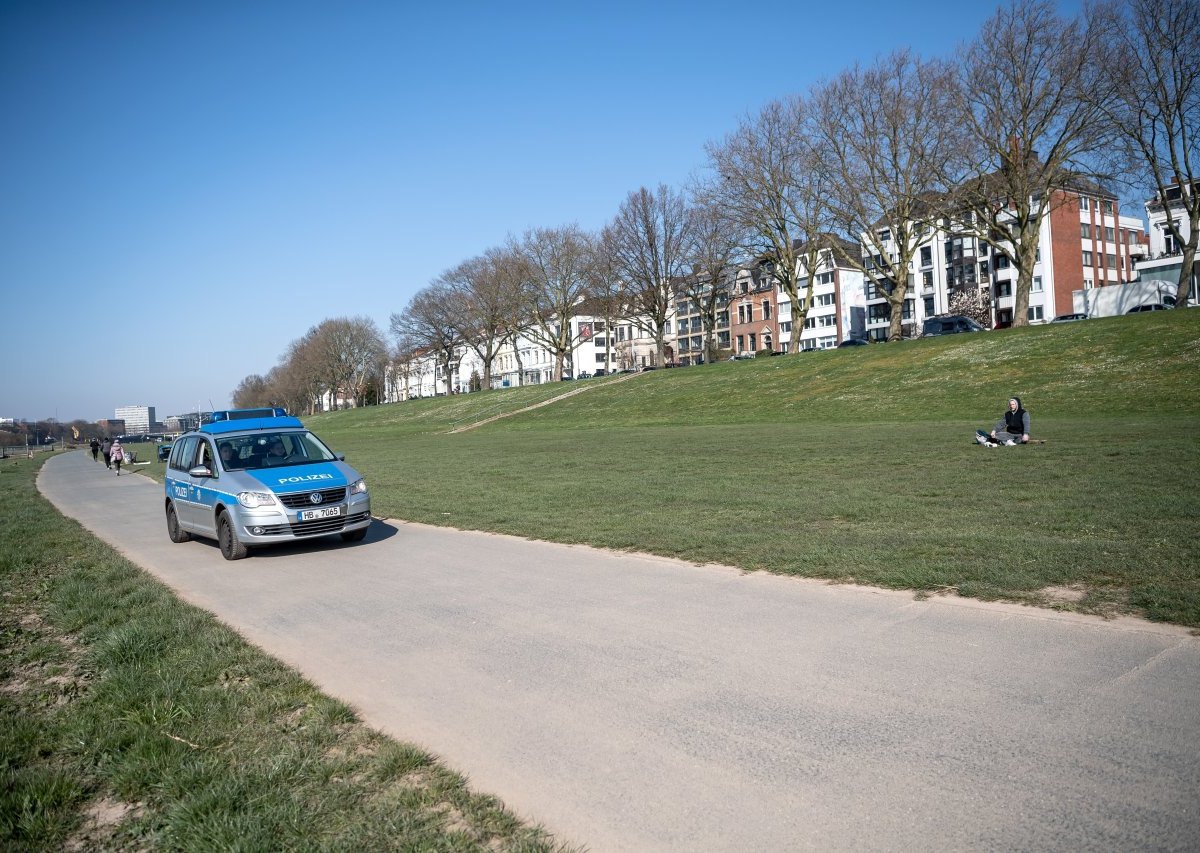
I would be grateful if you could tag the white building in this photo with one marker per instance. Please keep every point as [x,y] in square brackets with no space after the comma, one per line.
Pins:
[138,419]
[1165,256]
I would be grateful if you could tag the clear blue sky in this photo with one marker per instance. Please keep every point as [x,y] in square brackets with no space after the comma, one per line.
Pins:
[187,188]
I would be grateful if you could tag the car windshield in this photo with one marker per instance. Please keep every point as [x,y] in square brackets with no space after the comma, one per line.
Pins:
[271,449]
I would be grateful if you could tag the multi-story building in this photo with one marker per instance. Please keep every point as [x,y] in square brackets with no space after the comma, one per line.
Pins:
[137,418]
[1165,256]
[838,308]
[112,427]
[754,309]
[689,327]
[1083,243]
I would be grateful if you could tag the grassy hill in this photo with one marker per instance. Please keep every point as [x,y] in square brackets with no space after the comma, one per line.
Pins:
[852,464]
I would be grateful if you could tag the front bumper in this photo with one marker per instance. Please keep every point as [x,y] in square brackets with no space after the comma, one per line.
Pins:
[267,525]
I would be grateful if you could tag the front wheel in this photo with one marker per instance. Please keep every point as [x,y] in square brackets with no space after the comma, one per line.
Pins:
[354,535]
[177,533]
[231,547]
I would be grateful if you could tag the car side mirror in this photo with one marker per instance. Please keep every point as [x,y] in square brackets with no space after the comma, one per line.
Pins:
[200,471]
[341,457]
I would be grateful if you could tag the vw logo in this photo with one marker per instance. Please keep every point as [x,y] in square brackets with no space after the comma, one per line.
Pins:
[316,497]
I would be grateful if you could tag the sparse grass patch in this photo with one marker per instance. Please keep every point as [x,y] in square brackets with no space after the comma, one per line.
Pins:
[129,719]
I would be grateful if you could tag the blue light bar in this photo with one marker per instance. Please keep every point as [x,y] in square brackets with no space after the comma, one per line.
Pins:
[243,414]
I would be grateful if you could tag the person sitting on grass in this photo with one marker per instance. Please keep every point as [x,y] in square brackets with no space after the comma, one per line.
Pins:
[1011,429]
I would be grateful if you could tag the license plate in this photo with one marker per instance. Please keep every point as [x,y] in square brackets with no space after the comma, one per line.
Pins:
[325,512]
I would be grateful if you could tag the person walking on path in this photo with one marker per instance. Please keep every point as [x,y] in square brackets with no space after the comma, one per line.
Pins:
[95,445]
[1013,428]
[117,454]
[106,449]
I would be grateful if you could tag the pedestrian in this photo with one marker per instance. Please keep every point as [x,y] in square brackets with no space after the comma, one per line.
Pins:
[106,449]
[1011,429]
[117,454]
[95,445]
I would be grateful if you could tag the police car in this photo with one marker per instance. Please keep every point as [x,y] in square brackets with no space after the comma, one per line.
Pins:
[256,477]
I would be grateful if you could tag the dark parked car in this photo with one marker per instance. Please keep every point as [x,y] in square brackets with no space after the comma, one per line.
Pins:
[951,324]
[853,342]
[164,450]
[1155,306]
[600,372]
[1068,318]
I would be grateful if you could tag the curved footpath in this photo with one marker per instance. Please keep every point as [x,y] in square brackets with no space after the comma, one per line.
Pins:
[634,703]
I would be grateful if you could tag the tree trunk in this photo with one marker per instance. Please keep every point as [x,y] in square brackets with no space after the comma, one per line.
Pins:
[1027,254]
[1185,272]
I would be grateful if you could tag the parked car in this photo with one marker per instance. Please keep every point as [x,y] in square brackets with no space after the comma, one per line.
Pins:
[853,342]
[1069,318]
[951,324]
[1154,306]
[600,371]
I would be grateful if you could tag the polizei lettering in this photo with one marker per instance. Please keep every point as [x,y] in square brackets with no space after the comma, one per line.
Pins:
[305,478]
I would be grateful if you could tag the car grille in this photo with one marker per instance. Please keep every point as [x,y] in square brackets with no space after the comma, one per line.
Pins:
[301,500]
[319,527]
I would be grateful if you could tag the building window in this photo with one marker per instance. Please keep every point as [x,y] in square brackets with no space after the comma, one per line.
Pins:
[785,327]
[1035,313]
[1003,288]
[1087,258]
[1088,284]
[1107,207]
[1036,287]
[927,279]
[766,306]
[825,278]
[740,348]
[1109,234]
[1085,230]
[926,256]
[929,309]
[1084,203]
[1112,260]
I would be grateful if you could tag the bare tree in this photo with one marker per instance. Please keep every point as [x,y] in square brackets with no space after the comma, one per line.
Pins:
[648,240]
[429,322]
[774,183]
[488,298]
[1158,112]
[605,292]
[348,354]
[252,392]
[1034,94]
[716,245]
[889,135]
[555,268]
[298,380]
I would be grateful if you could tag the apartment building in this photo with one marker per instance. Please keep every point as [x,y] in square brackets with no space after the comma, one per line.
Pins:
[1164,257]
[838,308]
[754,309]
[1084,242]
[689,328]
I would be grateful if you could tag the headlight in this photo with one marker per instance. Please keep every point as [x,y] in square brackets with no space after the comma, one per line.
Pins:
[359,488]
[251,500]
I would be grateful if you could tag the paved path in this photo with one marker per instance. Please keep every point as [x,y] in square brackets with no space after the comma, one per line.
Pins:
[631,703]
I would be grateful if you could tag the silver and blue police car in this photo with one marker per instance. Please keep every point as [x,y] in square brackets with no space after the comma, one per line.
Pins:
[256,477]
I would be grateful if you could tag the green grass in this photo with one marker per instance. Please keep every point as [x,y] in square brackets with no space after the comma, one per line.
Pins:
[851,464]
[119,701]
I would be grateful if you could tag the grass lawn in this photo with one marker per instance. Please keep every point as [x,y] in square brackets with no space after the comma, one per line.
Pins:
[851,464]
[129,720]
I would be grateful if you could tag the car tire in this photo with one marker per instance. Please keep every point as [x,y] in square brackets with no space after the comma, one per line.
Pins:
[177,533]
[231,547]
[354,535]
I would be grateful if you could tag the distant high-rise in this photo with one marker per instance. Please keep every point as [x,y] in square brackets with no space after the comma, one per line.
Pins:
[137,418]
